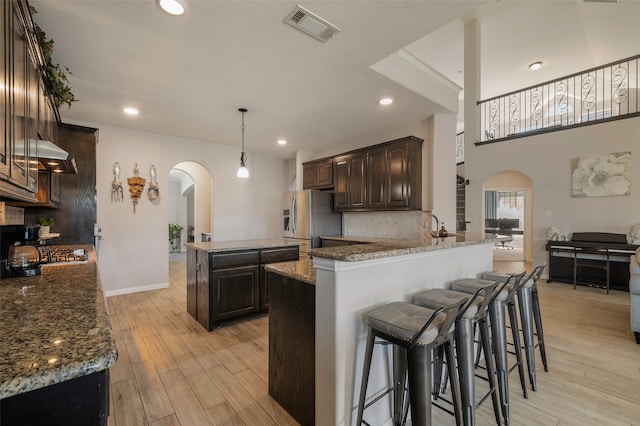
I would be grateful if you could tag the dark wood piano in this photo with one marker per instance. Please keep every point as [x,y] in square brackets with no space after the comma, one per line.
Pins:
[561,255]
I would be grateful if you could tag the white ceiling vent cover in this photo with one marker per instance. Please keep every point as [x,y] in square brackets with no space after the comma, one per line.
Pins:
[311,24]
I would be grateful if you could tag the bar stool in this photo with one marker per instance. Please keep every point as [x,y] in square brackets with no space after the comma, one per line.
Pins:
[414,331]
[473,312]
[537,318]
[499,333]
[529,306]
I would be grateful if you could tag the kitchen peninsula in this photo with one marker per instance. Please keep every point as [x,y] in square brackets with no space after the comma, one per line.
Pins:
[350,280]
[56,345]
[225,279]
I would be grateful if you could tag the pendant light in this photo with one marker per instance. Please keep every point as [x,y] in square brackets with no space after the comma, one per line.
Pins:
[243,172]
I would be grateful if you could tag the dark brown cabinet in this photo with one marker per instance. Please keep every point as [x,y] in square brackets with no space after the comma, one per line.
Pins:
[236,292]
[226,285]
[377,182]
[292,348]
[318,174]
[25,104]
[383,177]
[80,401]
[5,148]
[350,191]
[49,190]
[76,207]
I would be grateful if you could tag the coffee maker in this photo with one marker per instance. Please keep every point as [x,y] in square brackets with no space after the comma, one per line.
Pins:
[19,252]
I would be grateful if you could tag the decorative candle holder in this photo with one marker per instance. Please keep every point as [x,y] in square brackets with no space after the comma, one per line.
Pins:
[136,185]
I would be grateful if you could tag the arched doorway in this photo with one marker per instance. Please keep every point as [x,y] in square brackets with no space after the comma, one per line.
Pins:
[191,200]
[508,198]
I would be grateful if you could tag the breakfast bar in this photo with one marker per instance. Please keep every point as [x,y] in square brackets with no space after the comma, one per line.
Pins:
[351,280]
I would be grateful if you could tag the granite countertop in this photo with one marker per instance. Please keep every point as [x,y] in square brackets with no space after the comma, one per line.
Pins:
[378,248]
[301,270]
[222,246]
[54,327]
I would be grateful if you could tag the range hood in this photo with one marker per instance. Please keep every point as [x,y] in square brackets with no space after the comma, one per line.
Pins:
[50,156]
[55,159]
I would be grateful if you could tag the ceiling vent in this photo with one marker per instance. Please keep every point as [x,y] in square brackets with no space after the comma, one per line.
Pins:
[311,24]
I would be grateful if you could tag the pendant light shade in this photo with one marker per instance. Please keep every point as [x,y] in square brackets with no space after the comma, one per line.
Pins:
[243,172]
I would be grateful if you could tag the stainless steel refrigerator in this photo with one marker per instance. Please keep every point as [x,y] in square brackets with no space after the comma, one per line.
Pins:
[309,215]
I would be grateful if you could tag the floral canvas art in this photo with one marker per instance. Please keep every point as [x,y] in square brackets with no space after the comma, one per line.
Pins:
[604,175]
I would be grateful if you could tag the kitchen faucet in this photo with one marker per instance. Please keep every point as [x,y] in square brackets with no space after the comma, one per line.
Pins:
[429,224]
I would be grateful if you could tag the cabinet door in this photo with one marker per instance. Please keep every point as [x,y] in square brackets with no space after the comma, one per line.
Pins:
[56,188]
[32,124]
[4,95]
[341,179]
[357,185]
[309,176]
[324,174]
[235,292]
[377,182]
[317,174]
[398,176]
[19,147]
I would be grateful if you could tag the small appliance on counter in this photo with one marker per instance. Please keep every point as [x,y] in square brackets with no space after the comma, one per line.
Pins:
[20,251]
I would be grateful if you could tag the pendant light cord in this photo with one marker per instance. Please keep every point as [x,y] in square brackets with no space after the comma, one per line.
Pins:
[243,157]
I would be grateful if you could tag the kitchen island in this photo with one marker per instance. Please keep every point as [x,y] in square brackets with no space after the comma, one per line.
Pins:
[56,345]
[226,279]
[351,280]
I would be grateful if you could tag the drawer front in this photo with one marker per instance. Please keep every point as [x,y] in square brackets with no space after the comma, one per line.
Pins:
[279,255]
[232,260]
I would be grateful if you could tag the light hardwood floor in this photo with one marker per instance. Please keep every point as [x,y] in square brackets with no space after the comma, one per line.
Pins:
[170,371]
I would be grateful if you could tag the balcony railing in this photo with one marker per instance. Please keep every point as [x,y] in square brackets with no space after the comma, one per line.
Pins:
[606,93]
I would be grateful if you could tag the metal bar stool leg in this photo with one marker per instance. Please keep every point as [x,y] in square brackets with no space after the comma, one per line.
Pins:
[365,373]
[464,353]
[515,333]
[526,318]
[491,370]
[438,357]
[419,362]
[537,316]
[400,383]
[499,340]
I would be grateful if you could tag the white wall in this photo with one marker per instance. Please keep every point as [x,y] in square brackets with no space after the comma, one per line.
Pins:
[134,249]
[546,159]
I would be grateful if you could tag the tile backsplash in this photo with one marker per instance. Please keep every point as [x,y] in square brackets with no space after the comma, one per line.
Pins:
[402,225]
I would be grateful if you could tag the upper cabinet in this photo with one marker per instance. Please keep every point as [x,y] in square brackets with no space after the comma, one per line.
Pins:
[350,191]
[383,177]
[318,174]
[27,113]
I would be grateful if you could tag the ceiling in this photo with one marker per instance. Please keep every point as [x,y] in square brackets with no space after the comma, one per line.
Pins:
[188,75]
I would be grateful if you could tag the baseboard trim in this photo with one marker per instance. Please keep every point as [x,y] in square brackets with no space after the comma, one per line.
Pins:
[139,289]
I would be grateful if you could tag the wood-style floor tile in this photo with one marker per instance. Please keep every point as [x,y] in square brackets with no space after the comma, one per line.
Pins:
[172,372]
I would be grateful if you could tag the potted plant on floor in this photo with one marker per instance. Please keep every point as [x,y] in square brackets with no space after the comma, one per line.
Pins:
[175,232]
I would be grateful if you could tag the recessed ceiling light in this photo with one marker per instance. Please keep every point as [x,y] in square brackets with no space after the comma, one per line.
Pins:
[172,7]
[385,101]
[535,66]
[282,142]
[130,110]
